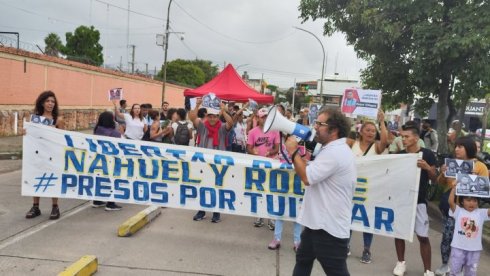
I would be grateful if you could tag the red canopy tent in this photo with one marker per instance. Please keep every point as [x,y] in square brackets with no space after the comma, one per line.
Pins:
[228,85]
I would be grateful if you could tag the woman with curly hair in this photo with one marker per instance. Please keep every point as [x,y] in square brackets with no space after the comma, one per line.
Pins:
[46,107]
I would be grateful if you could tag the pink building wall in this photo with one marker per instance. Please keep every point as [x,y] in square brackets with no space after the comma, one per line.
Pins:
[23,75]
[81,89]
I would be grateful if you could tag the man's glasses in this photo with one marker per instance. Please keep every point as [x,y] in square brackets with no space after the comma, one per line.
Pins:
[319,124]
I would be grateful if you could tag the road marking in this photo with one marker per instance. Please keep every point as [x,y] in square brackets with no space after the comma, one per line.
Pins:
[38,227]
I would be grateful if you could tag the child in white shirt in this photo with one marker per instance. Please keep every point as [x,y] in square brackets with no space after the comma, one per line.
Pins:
[467,238]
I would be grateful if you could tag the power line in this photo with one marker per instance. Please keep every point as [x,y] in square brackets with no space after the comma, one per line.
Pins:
[132,11]
[41,15]
[232,38]
[183,42]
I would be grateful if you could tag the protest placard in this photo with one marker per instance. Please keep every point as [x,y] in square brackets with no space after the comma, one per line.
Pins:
[115,94]
[210,101]
[455,166]
[472,185]
[361,102]
[37,119]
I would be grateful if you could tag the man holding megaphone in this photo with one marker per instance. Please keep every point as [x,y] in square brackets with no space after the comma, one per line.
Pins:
[327,203]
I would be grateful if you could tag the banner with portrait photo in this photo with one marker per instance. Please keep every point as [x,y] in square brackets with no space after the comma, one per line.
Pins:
[457,166]
[65,164]
[361,102]
[115,94]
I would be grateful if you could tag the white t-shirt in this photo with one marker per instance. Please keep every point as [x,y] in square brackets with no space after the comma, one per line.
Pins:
[468,228]
[327,203]
[240,133]
[134,127]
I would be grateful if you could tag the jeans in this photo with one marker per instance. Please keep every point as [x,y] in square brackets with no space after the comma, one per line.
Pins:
[278,231]
[368,239]
[330,251]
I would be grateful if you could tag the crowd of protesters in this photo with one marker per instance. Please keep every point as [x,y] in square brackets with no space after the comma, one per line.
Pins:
[235,128]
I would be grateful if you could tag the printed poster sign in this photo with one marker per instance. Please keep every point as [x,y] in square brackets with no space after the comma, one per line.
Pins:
[360,102]
[455,166]
[252,105]
[211,101]
[115,94]
[64,164]
[37,119]
[472,185]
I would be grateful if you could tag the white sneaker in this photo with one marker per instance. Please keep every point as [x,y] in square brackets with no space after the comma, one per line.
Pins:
[400,268]
[442,270]
[429,273]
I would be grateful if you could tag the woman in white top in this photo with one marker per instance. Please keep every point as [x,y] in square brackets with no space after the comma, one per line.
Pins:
[366,145]
[135,124]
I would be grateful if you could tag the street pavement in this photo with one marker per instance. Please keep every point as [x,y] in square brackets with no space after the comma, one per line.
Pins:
[173,244]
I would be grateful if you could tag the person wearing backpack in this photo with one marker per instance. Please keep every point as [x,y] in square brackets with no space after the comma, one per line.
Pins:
[429,135]
[182,129]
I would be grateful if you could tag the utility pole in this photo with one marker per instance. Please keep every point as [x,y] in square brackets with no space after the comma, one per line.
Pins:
[323,62]
[132,58]
[127,32]
[262,84]
[166,49]
[294,96]
[146,71]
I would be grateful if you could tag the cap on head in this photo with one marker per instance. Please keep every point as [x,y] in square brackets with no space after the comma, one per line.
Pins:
[212,111]
[262,112]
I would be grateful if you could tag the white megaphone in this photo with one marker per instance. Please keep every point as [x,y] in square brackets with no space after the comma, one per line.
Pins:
[275,121]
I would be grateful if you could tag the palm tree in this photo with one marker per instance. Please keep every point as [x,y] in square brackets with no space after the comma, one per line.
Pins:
[53,45]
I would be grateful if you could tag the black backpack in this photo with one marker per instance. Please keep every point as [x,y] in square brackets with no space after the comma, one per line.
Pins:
[146,135]
[182,135]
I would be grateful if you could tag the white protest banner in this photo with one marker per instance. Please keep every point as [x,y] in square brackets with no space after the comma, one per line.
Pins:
[115,94]
[64,164]
[360,102]
[385,197]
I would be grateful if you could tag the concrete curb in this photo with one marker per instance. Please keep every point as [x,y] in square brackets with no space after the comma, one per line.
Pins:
[135,223]
[87,265]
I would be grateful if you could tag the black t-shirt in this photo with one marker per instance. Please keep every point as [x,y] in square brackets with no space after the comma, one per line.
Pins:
[430,158]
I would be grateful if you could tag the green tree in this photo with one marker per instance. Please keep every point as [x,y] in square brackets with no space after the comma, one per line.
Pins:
[181,72]
[414,47]
[210,70]
[83,46]
[53,45]
[190,72]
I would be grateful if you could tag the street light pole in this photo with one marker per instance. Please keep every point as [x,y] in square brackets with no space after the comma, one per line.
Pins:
[165,57]
[323,62]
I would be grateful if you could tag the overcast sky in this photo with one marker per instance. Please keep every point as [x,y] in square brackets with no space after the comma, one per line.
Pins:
[254,35]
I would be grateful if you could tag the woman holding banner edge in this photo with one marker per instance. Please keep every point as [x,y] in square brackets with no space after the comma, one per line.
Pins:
[47,106]
[366,145]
